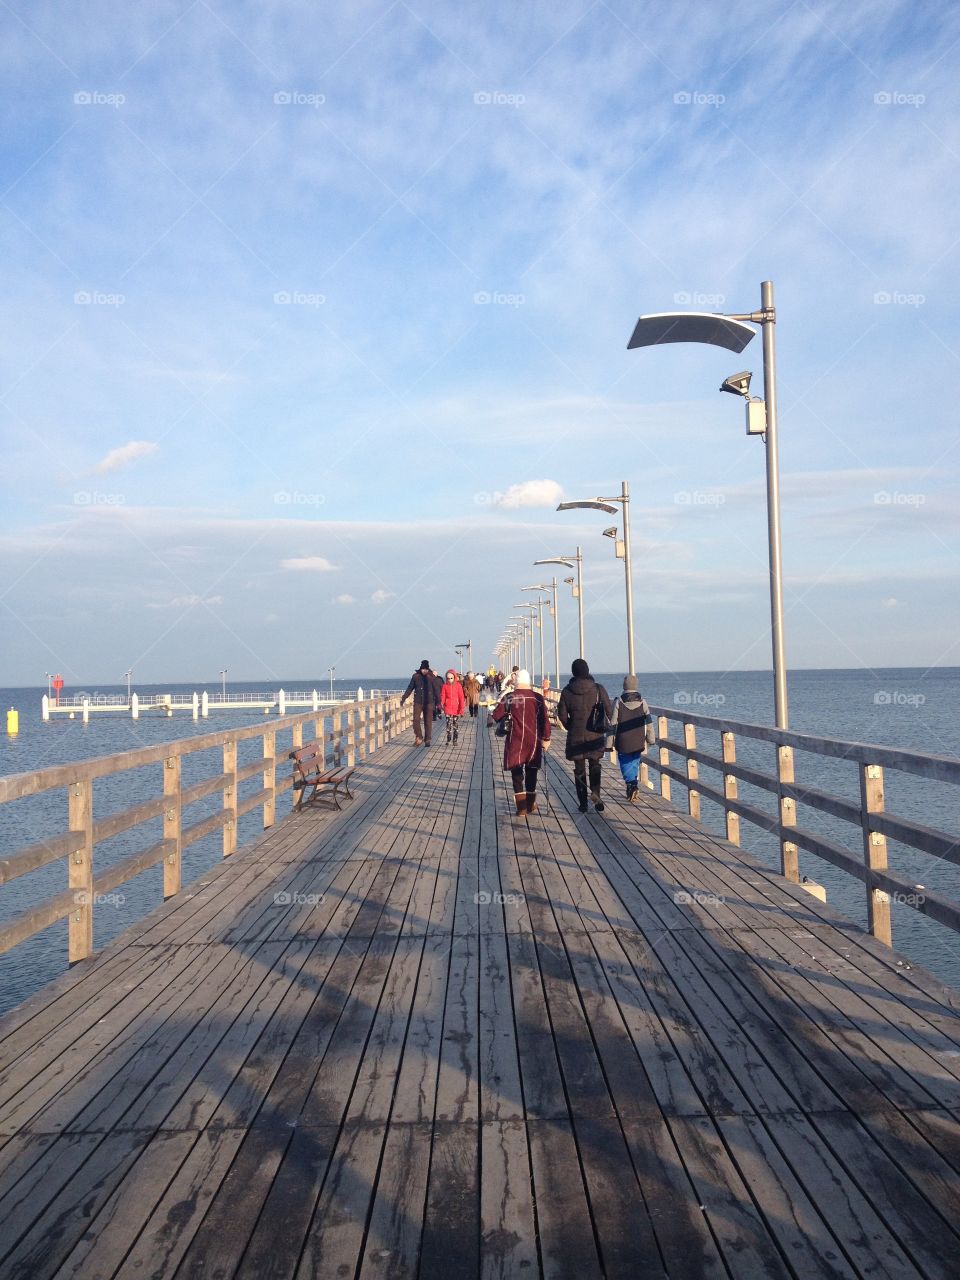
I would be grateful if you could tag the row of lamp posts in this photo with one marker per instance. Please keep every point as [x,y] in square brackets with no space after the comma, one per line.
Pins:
[732,332]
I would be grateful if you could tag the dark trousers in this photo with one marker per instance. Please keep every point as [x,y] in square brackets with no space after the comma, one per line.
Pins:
[525,779]
[423,721]
[580,764]
[474,708]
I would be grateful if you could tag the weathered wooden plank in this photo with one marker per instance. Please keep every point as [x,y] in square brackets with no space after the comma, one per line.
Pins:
[568,1245]
[508,1230]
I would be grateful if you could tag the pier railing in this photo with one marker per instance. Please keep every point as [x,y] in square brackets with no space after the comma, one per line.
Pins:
[874,824]
[356,731]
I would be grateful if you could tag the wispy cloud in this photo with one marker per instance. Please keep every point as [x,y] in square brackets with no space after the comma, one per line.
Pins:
[308,564]
[531,493]
[123,456]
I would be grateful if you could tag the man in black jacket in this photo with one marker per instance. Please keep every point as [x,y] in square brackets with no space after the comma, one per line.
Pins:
[584,745]
[423,686]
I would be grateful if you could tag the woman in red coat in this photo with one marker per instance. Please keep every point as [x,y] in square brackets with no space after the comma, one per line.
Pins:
[527,740]
[452,703]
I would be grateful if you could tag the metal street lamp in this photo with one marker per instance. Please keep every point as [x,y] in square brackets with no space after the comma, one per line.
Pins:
[733,333]
[604,504]
[49,678]
[128,676]
[528,624]
[556,630]
[468,645]
[330,672]
[223,684]
[577,585]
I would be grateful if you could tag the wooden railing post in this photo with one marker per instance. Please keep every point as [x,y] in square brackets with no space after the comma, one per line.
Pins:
[693,771]
[336,732]
[270,777]
[172,825]
[663,733]
[875,852]
[789,857]
[729,753]
[230,798]
[352,736]
[80,818]
[296,736]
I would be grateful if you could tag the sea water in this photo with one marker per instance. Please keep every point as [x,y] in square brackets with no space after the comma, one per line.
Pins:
[910,708]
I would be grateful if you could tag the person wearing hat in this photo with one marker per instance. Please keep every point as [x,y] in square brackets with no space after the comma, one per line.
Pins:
[632,725]
[452,703]
[577,712]
[527,739]
[423,686]
[471,691]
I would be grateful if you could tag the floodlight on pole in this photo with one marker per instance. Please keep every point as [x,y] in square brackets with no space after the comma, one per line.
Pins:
[733,332]
[606,504]
[570,561]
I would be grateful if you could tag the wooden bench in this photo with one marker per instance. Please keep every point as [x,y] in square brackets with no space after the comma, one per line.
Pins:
[324,784]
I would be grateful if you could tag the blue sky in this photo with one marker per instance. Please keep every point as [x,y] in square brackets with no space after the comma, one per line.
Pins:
[311,315]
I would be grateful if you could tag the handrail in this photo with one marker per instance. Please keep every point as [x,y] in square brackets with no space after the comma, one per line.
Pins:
[357,730]
[870,816]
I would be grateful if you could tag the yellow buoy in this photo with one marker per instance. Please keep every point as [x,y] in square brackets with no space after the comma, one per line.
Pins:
[13,721]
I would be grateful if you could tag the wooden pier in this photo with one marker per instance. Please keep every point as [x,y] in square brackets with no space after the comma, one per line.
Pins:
[424,1037]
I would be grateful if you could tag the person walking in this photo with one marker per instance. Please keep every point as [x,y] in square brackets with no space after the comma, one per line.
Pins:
[632,727]
[527,739]
[423,686]
[471,691]
[583,710]
[510,682]
[452,704]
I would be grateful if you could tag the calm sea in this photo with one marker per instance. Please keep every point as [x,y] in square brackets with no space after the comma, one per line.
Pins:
[903,707]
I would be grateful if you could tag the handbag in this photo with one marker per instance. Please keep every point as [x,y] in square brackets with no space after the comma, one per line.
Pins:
[506,724]
[597,720]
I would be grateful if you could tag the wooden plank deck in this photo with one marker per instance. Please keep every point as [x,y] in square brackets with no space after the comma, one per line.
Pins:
[423,1037]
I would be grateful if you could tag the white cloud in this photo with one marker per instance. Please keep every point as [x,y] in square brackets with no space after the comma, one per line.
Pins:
[531,493]
[380,596]
[127,453]
[309,564]
[891,602]
[344,599]
[186,602]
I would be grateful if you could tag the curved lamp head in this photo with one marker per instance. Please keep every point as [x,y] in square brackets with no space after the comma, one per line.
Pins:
[593,505]
[556,560]
[690,326]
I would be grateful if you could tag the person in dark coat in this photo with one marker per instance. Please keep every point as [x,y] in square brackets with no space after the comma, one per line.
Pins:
[584,746]
[632,726]
[471,691]
[527,740]
[426,698]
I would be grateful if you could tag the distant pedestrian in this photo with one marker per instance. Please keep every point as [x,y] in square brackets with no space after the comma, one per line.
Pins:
[585,724]
[527,739]
[632,726]
[510,682]
[423,686]
[452,704]
[471,691]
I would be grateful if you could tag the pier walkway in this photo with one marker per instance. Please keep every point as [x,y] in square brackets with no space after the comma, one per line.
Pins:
[423,1037]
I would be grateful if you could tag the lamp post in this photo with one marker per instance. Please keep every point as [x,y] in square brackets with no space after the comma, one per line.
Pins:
[128,676]
[733,332]
[575,583]
[529,622]
[223,684]
[331,672]
[604,504]
[49,678]
[556,626]
[468,645]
